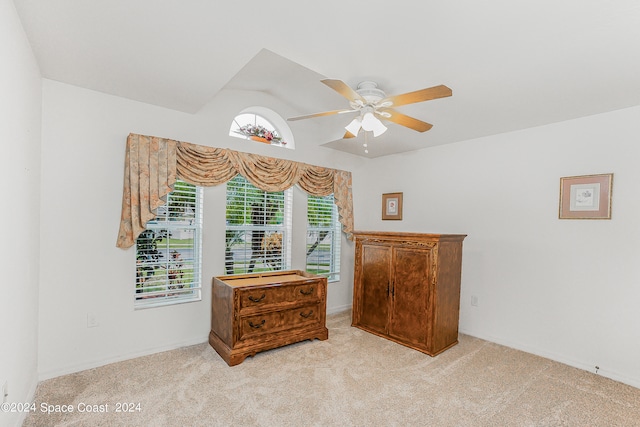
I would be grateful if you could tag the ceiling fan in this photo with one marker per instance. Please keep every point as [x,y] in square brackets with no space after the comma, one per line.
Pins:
[373,104]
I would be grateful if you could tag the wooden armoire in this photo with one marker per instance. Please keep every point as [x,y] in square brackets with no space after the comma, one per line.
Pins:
[407,288]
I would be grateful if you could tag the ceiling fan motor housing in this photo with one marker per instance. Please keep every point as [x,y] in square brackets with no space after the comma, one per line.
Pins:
[369,91]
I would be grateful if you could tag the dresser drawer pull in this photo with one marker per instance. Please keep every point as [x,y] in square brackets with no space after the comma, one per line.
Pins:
[258,326]
[309,292]
[254,299]
[306,315]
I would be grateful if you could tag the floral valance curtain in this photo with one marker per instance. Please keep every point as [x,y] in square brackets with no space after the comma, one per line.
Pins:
[153,164]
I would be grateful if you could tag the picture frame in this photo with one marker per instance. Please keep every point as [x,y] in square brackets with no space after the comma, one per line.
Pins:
[586,197]
[392,206]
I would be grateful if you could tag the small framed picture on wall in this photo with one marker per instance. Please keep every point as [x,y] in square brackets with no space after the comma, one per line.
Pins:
[392,206]
[586,197]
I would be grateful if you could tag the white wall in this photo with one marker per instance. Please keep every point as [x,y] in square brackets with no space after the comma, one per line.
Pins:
[562,289]
[20,111]
[565,289]
[84,135]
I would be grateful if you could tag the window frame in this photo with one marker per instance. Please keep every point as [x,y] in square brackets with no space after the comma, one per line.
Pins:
[168,220]
[246,242]
[334,232]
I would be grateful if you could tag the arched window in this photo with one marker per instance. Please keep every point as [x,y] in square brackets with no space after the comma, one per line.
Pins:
[262,125]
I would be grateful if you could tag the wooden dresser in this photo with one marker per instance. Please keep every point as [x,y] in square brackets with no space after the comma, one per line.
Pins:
[407,288]
[257,312]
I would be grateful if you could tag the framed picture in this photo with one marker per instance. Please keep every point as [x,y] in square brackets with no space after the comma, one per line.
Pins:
[392,206]
[586,197]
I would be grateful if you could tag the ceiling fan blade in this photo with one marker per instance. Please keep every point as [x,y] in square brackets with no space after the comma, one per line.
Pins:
[344,89]
[421,95]
[348,134]
[410,122]
[324,113]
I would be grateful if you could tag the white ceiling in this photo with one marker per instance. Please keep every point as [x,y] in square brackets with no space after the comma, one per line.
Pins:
[511,64]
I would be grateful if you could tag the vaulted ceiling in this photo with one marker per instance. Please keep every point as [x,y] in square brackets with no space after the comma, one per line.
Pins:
[511,64]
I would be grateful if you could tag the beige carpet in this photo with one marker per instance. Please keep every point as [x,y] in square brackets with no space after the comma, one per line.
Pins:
[352,379]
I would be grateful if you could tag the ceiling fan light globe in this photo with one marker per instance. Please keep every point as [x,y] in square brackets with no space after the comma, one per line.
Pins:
[369,122]
[354,126]
[379,129]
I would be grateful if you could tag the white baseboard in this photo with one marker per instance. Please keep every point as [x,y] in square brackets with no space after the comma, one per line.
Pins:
[580,364]
[338,309]
[71,369]
[30,396]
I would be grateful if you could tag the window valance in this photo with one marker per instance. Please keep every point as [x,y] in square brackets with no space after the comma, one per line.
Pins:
[153,164]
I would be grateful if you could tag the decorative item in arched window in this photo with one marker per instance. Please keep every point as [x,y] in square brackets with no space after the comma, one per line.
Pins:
[254,127]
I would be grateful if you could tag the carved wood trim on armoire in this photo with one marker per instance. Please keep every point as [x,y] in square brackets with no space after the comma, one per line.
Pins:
[406,288]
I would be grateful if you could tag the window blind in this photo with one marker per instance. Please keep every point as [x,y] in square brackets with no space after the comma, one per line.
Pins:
[258,228]
[168,252]
[323,237]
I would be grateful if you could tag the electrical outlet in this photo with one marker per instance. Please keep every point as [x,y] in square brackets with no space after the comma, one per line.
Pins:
[474,300]
[92,320]
[5,391]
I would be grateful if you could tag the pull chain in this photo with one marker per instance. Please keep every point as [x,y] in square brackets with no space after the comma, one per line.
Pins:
[365,145]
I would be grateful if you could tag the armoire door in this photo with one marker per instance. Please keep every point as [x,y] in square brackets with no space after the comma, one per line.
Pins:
[410,295]
[374,302]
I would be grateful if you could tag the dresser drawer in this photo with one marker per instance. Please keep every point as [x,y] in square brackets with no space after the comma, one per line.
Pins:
[262,296]
[273,322]
[276,295]
[306,292]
